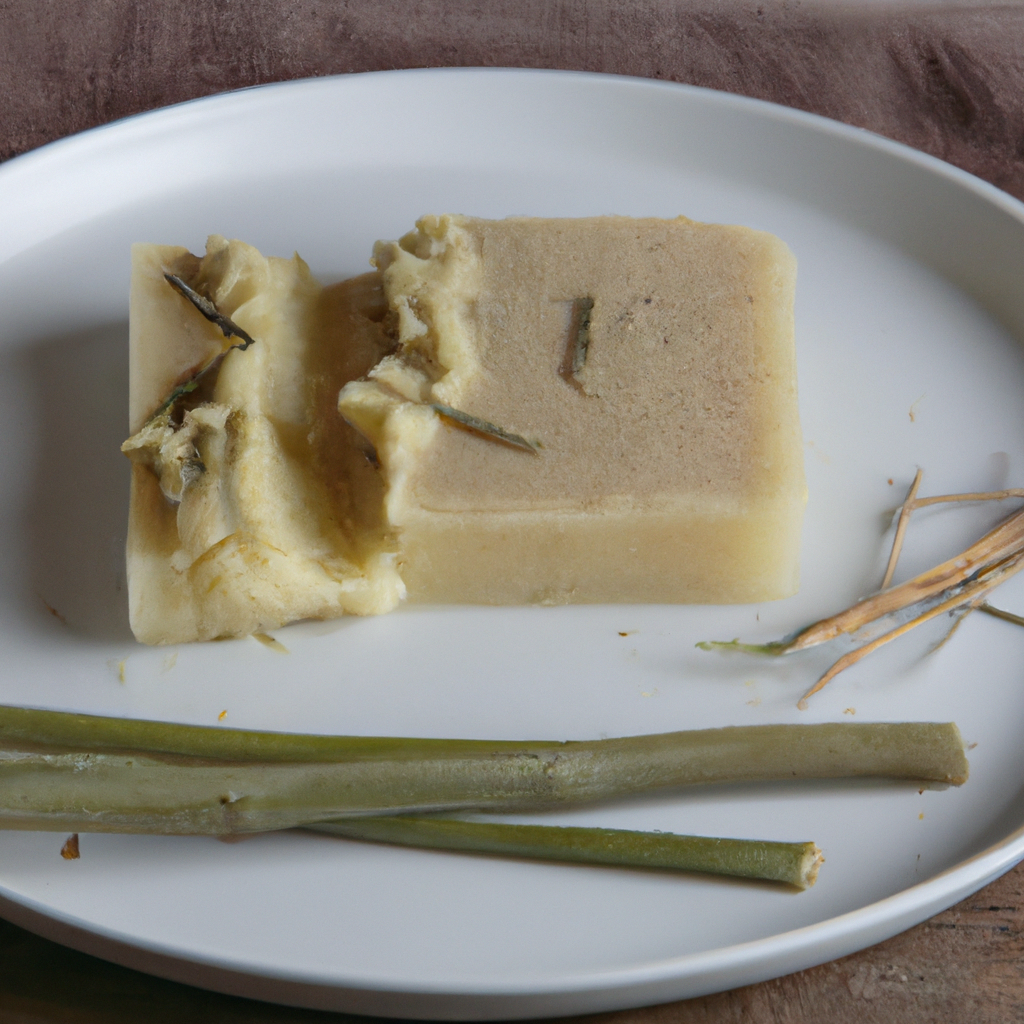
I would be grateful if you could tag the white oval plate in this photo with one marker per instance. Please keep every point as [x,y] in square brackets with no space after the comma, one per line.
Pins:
[909,308]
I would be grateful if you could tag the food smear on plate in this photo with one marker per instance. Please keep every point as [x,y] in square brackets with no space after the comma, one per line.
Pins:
[531,411]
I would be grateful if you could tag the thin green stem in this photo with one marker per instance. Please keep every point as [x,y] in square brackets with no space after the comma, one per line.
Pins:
[790,863]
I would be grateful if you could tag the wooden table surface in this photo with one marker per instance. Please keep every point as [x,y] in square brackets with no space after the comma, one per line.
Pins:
[947,78]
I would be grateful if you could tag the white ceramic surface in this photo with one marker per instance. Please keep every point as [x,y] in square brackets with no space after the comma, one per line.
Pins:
[910,312]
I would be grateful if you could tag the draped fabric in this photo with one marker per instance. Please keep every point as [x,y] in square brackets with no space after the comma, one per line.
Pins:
[947,78]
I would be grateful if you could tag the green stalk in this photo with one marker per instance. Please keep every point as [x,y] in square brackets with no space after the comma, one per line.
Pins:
[69,772]
[791,863]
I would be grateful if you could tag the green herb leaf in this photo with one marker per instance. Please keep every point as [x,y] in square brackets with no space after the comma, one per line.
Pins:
[483,428]
[228,327]
[579,340]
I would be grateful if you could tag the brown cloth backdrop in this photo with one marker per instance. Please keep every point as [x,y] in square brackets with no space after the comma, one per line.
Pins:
[946,78]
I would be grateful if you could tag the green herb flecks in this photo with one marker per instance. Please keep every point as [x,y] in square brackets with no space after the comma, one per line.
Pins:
[184,389]
[227,327]
[482,427]
[579,340]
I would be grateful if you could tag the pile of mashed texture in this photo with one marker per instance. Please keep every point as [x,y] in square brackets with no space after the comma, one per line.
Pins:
[253,503]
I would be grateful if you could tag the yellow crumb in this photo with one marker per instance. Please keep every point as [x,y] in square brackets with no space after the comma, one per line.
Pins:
[817,451]
[269,641]
[913,409]
[920,817]
[70,851]
[170,660]
[849,711]
[53,611]
[222,715]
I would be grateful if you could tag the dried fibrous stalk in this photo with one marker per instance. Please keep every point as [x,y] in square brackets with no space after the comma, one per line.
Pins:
[901,529]
[999,613]
[961,583]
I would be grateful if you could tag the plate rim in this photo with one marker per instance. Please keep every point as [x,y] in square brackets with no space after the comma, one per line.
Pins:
[164,117]
[834,937]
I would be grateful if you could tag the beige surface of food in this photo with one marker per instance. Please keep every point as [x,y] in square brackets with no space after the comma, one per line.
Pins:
[253,503]
[668,467]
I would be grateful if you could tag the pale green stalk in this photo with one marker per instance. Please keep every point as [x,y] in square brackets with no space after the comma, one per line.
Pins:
[791,863]
[68,772]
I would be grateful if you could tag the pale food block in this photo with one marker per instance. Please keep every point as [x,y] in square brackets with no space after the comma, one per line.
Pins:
[667,465]
[252,502]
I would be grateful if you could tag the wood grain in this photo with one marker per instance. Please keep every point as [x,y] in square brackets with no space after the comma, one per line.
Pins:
[948,79]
